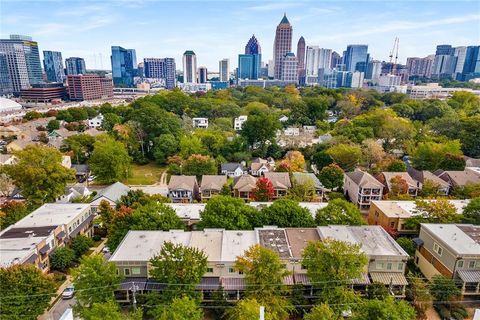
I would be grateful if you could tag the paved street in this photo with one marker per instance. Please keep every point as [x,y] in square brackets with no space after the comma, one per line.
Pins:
[59,308]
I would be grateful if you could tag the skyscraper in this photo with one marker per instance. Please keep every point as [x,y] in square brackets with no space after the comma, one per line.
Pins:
[460,54]
[444,63]
[53,65]
[301,59]
[290,68]
[356,57]
[317,58]
[282,45]
[75,65]
[157,68]
[133,58]
[374,69]
[420,67]
[471,67]
[336,60]
[202,75]
[224,70]
[5,80]
[189,67]
[23,61]
[123,66]
[253,46]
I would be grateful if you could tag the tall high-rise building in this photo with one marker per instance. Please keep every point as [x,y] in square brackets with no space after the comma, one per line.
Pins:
[157,68]
[420,67]
[355,57]
[445,61]
[460,54]
[123,66]
[335,60]
[202,75]
[6,87]
[89,87]
[23,61]
[53,65]
[224,70]
[290,68]
[253,46]
[301,59]
[189,67]
[282,45]
[374,70]
[75,65]
[317,58]
[471,67]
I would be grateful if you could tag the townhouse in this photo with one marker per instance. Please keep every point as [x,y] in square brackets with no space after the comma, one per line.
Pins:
[244,186]
[422,176]
[183,189]
[302,178]
[35,237]
[362,188]
[452,250]
[392,214]
[387,178]
[211,185]
[281,183]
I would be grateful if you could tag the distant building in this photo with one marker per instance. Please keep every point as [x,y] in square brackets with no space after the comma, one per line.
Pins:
[420,67]
[23,62]
[163,68]
[238,122]
[53,65]
[290,68]
[388,80]
[253,46]
[124,64]
[74,66]
[96,122]
[471,66]
[189,67]
[44,92]
[249,64]
[356,57]
[444,63]
[374,70]
[336,60]
[89,87]
[6,87]
[200,123]
[317,59]
[301,59]
[224,70]
[281,45]
[202,75]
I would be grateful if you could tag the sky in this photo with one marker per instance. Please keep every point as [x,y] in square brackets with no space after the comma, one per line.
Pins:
[220,29]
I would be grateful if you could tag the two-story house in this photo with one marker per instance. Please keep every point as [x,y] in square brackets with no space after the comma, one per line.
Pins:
[452,250]
[232,169]
[362,188]
[200,123]
[183,189]
[243,187]
[421,177]
[281,183]
[259,166]
[459,179]
[386,179]
[302,178]
[212,185]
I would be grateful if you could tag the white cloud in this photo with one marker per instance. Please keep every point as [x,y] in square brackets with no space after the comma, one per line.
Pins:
[275,6]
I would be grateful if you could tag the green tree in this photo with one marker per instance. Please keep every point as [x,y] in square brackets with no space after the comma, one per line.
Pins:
[345,155]
[228,213]
[80,245]
[110,120]
[388,309]
[287,213]
[11,212]
[25,292]
[434,211]
[183,308]
[190,145]
[377,290]
[260,128]
[246,309]
[95,280]
[408,245]
[198,165]
[302,191]
[81,145]
[430,155]
[339,212]
[321,312]
[110,161]
[331,176]
[164,146]
[153,216]
[180,267]
[469,133]
[62,258]
[53,125]
[471,213]
[39,174]
[444,289]
[453,162]
[100,311]
[396,165]
[418,292]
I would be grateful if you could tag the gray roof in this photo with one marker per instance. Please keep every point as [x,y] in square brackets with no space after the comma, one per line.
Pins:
[113,192]
[81,168]
[213,182]
[463,240]
[303,177]
[182,182]
[231,166]
[363,179]
[421,176]
[279,179]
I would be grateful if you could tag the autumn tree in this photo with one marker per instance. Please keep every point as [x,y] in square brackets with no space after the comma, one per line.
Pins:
[264,190]
[39,174]
[339,212]
[295,161]
[372,152]
[433,211]
[331,176]
[25,292]
[398,187]
[198,165]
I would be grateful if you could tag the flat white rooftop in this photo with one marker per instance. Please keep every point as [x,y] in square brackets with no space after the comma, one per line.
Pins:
[235,243]
[53,214]
[190,211]
[455,237]
[14,251]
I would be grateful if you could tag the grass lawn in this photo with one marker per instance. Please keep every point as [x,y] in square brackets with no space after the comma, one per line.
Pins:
[144,174]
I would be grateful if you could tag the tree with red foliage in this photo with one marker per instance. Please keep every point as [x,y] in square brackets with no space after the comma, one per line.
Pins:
[264,190]
[398,186]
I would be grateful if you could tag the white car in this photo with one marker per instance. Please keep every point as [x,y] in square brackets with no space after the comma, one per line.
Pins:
[68,293]
[106,250]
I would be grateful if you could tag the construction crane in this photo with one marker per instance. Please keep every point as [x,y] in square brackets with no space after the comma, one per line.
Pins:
[394,51]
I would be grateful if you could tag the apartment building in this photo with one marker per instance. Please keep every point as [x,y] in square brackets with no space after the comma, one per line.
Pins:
[452,250]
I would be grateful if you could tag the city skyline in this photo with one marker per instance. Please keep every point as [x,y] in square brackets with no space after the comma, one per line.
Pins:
[86,29]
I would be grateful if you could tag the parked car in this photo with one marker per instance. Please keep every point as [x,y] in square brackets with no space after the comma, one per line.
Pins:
[68,293]
[91,178]
[106,250]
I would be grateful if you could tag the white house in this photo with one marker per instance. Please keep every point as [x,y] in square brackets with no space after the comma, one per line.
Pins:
[233,169]
[96,122]
[291,131]
[200,123]
[283,118]
[309,129]
[238,122]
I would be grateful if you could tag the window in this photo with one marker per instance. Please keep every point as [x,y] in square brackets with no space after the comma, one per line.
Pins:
[400,266]
[209,270]
[477,264]
[389,266]
[379,266]
[392,224]
[471,264]
[437,249]
[117,271]
[460,264]
[231,270]
[135,270]
[126,271]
